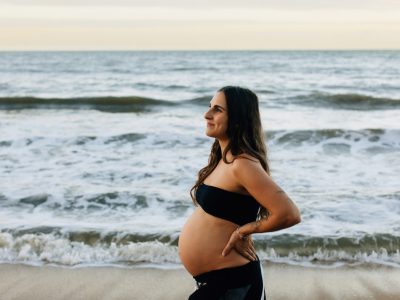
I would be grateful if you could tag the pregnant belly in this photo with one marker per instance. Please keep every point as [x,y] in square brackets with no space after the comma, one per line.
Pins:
[202,239]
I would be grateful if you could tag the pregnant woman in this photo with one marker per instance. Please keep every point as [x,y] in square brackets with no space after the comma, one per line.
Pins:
[234,197]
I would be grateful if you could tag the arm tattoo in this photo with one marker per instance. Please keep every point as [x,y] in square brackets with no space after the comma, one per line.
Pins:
[255,225]
[279,191]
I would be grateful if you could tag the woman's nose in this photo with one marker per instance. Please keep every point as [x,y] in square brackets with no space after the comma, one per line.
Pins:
[207,115]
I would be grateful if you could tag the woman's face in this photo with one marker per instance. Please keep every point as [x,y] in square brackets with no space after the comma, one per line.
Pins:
[217,117]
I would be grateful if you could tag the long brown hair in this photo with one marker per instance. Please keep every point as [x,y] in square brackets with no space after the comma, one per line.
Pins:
[245,135]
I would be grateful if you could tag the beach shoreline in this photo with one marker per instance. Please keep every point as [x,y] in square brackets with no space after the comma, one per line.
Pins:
[282,281]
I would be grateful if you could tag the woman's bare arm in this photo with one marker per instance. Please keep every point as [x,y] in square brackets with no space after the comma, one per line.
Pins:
[283,213]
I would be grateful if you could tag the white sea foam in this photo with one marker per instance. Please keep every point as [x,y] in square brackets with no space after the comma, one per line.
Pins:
[65,171]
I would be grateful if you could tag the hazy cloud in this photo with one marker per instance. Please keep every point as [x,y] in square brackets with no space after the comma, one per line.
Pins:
[273,4]
[207,24]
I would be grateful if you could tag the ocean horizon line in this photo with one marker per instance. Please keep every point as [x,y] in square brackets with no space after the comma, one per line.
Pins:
[202,50]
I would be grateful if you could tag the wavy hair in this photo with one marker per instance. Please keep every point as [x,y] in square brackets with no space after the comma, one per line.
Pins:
[245,133]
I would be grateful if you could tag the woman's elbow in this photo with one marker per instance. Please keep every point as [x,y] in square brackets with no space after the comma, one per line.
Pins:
[293,218]
[286,219]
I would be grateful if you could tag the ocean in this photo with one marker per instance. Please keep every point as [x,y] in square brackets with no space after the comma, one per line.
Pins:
[98,152]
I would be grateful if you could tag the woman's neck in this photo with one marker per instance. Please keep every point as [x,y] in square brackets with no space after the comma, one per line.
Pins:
[223,144]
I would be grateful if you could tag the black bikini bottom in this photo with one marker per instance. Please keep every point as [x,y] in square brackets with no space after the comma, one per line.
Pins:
[239,283]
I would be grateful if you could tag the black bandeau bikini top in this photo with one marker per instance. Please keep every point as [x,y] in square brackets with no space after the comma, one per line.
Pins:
[237,208]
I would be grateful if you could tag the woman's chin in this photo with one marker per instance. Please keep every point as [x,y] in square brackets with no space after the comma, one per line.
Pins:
[209,133]
[213,134]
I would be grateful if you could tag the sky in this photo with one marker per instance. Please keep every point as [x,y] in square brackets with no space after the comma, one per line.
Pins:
[199,25]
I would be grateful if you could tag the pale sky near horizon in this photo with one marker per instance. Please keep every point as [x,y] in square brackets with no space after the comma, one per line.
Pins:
[199,25]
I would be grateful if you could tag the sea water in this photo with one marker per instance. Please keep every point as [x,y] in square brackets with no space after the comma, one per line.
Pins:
[98,152]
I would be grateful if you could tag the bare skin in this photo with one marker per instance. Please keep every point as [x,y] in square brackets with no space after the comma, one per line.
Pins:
[204,236]
[209,243]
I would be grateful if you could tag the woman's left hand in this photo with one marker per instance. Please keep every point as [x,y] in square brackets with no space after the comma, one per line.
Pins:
[244,247]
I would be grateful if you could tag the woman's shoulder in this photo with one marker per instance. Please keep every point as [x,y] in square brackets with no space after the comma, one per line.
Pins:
[245,160]
[247,168]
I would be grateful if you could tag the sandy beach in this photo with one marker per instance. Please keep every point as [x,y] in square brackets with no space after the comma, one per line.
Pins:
[282,282]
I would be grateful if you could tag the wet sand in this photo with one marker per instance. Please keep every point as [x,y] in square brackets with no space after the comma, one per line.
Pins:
[281,281]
